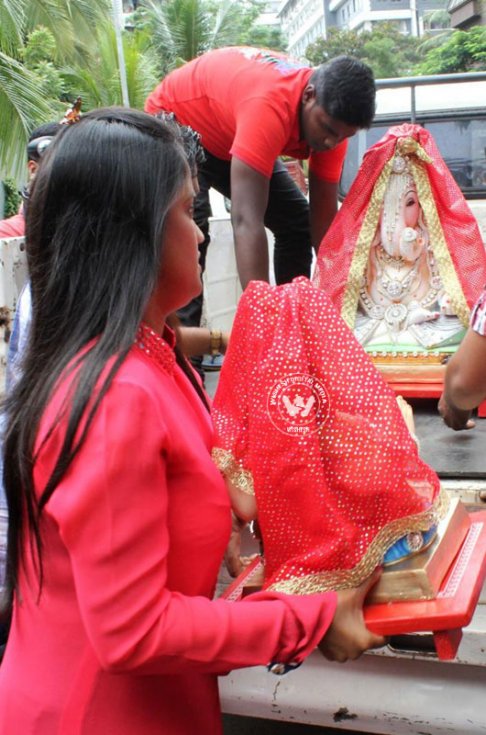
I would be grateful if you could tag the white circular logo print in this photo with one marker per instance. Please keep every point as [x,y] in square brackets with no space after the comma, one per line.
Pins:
[298,404]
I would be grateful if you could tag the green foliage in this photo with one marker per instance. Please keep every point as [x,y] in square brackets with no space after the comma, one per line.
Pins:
[388,52]
[12,198]
[381,54]
[181,30]
[39,56]
[11,23]
[437,19]
[461,51]
[99,83]
[393,54]
[262,36]
[29,85]
[337,43]
[71,22]
[21,109]
[432,40]
[40,47]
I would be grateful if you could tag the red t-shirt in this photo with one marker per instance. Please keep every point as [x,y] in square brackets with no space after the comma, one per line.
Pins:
[13,226]
[245,102]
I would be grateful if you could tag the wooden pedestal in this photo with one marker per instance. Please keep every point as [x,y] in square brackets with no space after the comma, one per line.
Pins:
[444,616]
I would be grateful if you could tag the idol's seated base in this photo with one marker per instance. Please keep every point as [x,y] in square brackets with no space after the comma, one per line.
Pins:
[412,374]
[453,605]
[415,374]
[420,576]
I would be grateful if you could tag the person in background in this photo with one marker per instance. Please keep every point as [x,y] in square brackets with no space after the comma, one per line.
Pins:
[14,226]
[194,342]
[465,377]
[251,106]
[39,139]
[118,518]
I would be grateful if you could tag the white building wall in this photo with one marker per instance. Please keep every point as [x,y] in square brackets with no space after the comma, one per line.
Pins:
[302,21]
[269,15]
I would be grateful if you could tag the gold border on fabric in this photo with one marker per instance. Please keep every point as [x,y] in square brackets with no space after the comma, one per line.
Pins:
[349,578]
[361,253]
[232,470]
[447,271]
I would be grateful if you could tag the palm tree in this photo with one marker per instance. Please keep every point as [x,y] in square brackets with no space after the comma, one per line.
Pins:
[180,30]
[21,106]
[99,82]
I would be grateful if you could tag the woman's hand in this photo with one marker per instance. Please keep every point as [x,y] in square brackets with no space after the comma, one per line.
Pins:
[348,637]
[234,562]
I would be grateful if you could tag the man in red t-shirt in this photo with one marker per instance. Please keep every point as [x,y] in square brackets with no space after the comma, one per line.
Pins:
[13,226]
[250,106]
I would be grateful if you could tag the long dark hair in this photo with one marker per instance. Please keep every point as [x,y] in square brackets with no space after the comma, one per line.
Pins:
[94,234]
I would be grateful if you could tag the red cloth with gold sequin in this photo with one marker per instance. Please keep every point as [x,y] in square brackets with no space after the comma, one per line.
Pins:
[459,226]
[304,418]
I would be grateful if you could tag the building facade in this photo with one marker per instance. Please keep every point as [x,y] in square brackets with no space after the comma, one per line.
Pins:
[303,21]
[467,13]
[269,14]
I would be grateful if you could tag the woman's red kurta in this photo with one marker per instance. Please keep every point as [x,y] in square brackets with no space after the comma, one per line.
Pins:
[125,638]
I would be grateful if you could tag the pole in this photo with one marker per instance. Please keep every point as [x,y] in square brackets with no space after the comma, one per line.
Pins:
[415,19]
[118,24]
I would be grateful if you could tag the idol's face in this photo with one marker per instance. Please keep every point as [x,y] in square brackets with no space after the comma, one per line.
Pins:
[400,230]
[411,207]
[321,131]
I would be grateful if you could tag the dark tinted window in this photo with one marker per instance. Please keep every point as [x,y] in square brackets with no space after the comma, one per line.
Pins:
[461,141]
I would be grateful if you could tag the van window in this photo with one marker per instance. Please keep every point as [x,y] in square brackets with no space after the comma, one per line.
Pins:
[460,134]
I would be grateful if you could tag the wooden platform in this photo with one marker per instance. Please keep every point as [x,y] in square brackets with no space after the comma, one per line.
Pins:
[444,616]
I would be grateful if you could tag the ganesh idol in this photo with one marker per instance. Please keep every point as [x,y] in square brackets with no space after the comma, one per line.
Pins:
[404,259]
[402,301]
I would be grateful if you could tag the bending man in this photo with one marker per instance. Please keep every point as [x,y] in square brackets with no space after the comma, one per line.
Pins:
[250,106]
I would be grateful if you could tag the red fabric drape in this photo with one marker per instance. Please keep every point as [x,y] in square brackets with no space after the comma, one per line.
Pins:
[300,407]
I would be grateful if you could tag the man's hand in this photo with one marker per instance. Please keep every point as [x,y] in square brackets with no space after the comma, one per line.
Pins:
[348,637]
[455,418]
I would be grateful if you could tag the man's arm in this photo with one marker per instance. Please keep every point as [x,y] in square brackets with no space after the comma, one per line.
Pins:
[323,197]
[249,199]
[465,382]
[197,341]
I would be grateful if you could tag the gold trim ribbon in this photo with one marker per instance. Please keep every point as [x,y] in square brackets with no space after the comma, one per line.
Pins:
[349,578]
[233,470]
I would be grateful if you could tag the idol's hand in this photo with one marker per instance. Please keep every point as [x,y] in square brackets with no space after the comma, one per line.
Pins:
[348,637]
[455,418]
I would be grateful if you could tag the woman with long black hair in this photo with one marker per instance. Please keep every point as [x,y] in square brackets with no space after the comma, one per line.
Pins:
[118,518]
